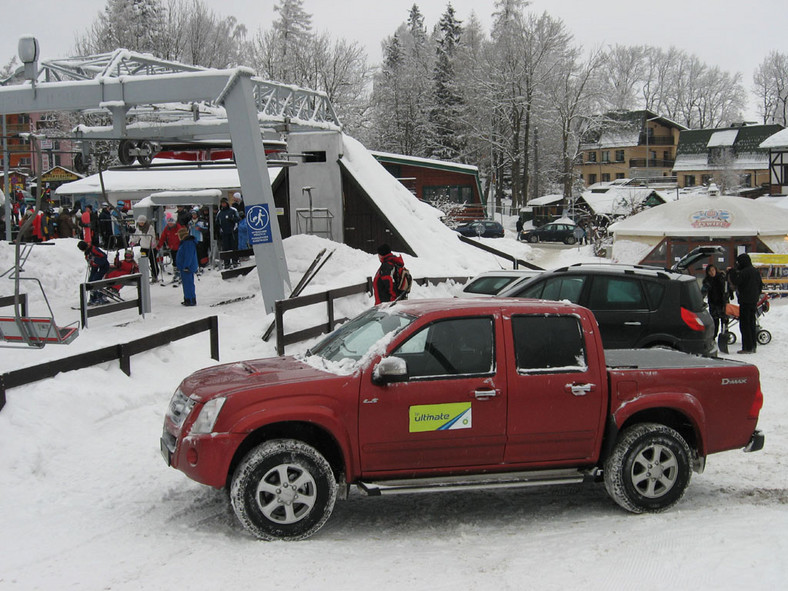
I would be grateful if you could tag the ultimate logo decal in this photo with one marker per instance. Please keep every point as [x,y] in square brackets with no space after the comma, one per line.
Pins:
[440,417]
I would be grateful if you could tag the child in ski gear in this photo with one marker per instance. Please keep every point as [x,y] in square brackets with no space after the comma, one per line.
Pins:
[98,264]
[392,281]
[169,238]
[186,262]
[127,266]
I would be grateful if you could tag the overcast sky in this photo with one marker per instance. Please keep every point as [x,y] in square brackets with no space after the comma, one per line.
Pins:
[735,35]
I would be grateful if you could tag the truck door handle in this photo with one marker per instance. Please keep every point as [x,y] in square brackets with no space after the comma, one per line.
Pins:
[485,394]
[633,323]
[579,389]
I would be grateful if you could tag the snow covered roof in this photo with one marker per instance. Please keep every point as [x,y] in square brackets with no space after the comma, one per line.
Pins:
[705,215]
[427,162]
[744,161]
[620,200]
[417,222]
[724,138]
[144,181]
[777,140]
[546,200]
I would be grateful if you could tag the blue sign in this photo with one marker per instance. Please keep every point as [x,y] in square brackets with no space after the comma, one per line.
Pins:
[259,222]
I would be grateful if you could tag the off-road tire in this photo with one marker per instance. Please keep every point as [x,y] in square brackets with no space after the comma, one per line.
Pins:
[649,469]
[283,490]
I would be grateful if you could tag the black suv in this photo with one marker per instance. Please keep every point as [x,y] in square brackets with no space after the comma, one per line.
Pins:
[635,306]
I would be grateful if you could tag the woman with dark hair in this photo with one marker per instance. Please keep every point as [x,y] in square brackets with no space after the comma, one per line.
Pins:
[715,289]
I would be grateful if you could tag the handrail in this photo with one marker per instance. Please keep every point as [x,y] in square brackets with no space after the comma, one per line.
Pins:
[503,255]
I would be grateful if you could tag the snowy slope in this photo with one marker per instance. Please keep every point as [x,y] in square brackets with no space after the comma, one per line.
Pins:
[86,501]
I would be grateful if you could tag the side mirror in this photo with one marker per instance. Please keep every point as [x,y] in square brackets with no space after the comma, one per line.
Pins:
[390,370]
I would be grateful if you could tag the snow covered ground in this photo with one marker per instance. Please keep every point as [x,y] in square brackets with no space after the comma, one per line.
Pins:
[86,501]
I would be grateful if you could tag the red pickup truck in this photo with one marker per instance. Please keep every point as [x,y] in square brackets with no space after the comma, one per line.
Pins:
[448,394]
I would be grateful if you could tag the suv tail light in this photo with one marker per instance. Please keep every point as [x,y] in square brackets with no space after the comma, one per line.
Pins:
[692,320]
[757,404]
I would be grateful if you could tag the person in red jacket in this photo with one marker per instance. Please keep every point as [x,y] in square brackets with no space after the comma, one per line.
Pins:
[169,238]
[388,279]
[126,266]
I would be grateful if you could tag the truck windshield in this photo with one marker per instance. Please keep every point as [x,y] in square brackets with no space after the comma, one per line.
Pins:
[352,341]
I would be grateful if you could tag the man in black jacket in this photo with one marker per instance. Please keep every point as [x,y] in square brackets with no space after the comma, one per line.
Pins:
[747,281]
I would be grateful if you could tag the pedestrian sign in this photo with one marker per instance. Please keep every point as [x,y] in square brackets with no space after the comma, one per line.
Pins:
[259,222]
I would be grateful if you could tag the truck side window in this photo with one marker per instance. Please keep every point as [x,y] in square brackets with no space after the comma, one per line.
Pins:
[458,346]
[548,344]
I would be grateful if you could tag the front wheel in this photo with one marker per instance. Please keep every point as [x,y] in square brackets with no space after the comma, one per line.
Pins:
[764,337]
[533,239]
[649,469]
[283,490]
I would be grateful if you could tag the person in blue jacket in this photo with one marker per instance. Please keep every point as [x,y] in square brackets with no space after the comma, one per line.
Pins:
[186,261]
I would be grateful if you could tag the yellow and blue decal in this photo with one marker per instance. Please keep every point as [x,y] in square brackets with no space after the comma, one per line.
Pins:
[440,417]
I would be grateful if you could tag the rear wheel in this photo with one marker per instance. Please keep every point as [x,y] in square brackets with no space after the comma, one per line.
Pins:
[764,337]
[283,490]
[649,469]
[570,240]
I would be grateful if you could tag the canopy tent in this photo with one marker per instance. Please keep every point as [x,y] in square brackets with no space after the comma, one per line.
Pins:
[662,234]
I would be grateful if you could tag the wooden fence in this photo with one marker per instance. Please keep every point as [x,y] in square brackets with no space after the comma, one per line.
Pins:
[122,352]
[329,297]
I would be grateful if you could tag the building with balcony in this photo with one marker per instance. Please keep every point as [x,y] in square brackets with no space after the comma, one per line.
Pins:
[628,144]
[730,157]
[777,145]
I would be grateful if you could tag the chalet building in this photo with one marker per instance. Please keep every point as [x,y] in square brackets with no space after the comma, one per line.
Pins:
[777,145]
[629,144]
[729,157]
[437,180]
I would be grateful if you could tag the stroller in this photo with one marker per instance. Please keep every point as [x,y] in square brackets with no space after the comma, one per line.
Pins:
[763,336]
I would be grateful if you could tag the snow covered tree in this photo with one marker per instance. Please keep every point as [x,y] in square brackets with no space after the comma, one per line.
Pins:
[771,88]
[137,25]
[446,139]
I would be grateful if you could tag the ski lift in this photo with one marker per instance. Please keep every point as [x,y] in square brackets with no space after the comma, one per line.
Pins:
[20,330]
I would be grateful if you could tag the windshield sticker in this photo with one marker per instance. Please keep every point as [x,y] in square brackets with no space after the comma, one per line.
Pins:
[440,417]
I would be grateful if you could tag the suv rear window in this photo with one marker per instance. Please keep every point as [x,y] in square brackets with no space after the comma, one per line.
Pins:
[691,298]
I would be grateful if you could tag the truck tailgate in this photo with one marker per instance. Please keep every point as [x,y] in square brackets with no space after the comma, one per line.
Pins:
[718,396]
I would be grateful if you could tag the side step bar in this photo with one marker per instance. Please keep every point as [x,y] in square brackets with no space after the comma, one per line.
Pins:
[478,481]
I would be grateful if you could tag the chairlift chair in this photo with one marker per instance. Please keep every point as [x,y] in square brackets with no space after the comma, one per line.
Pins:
[20,330]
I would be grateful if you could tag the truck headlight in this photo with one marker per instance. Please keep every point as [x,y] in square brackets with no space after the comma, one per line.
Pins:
[208,415]
[179,408]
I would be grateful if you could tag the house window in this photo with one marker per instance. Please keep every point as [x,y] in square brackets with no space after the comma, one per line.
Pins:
[605,177]
[452,193]
[592,157]
[666,155]
[620,156]
[591,179]
[689,180]
[606,156]
[620,175]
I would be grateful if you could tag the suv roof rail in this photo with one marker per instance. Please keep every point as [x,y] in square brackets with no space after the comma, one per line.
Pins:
[661,272]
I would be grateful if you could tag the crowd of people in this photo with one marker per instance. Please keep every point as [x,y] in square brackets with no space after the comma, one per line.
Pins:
[184,241]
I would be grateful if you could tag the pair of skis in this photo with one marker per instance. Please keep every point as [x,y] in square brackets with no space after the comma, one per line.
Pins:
[310,273]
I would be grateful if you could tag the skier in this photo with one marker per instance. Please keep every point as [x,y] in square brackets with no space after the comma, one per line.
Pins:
[186,262]
[98,265]
[392,280]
